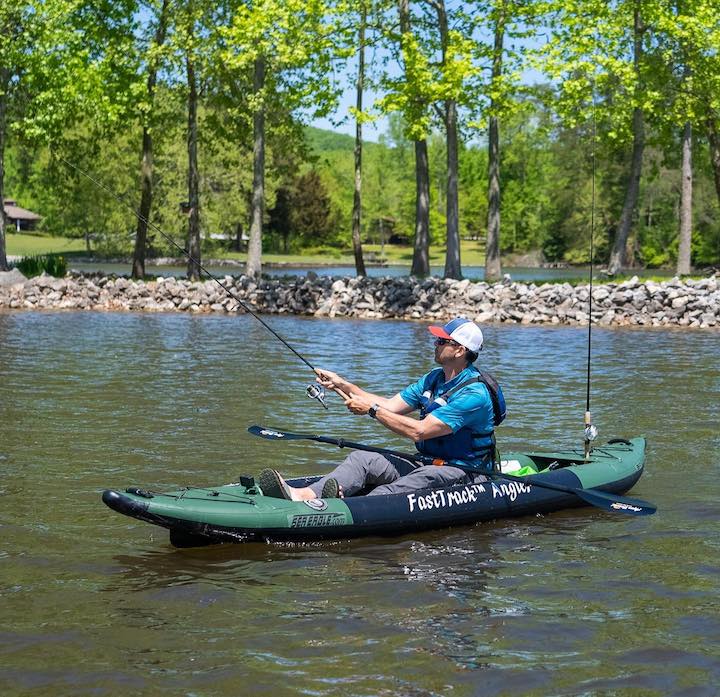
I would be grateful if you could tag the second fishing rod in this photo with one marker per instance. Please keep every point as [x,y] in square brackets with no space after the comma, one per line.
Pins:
[313,391]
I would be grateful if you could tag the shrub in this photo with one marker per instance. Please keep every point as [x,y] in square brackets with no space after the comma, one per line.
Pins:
[52,264]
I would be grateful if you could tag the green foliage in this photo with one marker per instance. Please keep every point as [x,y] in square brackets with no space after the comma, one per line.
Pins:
[302,215]
[77,77]
[52,264]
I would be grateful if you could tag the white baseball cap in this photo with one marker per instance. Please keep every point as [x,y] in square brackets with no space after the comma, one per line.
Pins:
[462,331]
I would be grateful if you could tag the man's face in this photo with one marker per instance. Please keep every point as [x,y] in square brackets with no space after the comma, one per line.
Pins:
[447,350]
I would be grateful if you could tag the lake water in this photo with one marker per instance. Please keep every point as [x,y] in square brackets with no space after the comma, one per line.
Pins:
[580,602]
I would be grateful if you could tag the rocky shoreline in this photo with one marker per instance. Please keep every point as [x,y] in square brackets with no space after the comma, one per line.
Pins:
[683,303]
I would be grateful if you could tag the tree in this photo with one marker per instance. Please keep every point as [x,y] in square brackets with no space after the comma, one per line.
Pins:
[357,197]
[280,215]
[288,46]
[493,269]
[455,68]
[189,39]
[691,36]
[311,215]
[59,59]
[500,30]
[619,255]
[153,61]
[589,55]
[410,95]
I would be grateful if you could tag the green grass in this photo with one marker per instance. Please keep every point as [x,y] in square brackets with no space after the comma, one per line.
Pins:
[29,244]
[471,254]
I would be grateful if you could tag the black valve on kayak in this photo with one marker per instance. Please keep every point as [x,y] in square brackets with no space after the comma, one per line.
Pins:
[316,392]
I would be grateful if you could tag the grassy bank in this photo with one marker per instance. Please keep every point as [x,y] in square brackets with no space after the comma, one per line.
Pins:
[472,253]
[25,244]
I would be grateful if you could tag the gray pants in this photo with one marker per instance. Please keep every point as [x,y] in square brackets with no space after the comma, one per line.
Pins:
[361,471]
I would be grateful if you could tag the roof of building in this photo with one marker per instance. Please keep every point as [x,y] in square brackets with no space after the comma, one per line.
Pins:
[15,212]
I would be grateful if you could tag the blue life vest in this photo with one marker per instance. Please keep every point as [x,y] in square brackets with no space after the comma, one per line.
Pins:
[465,446]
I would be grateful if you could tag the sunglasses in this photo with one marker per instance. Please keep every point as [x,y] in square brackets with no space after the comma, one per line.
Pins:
[442,342]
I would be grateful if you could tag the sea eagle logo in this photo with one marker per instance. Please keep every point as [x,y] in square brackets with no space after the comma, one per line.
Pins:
[316,504]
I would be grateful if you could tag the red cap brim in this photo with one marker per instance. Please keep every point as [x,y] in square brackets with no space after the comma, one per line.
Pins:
[439,331]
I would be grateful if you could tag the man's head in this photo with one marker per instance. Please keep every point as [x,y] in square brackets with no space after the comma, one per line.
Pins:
[459,333]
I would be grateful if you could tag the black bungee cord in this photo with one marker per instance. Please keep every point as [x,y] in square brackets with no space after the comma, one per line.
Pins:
[313,391]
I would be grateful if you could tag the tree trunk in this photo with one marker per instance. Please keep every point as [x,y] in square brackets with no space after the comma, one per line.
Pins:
[193,246]
[4,82]
[146,174]
[452,254]
[686,192]
[254,258]
[619,255]
[493,269]
[713,129]
[146,167]
[357,199]
[421,254]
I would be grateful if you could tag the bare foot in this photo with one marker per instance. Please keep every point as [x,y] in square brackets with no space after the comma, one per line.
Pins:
[302,494]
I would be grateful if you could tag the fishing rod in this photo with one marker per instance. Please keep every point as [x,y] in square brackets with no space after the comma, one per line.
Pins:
[313,391]
[590,432]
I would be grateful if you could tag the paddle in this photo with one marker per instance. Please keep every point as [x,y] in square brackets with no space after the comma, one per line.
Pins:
[601,499]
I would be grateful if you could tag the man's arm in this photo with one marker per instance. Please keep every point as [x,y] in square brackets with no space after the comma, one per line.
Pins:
[415,429]
[333,381]
[397,421]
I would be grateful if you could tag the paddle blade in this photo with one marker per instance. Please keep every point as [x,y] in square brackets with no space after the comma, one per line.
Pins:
[273,434]
[616,504]
[268,433]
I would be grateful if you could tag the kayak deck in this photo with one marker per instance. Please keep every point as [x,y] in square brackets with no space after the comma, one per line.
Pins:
[238,512]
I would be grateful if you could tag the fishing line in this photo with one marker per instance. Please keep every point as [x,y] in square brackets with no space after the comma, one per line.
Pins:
[313,391]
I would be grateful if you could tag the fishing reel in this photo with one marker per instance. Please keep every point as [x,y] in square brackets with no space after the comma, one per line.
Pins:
[316,392]
[590,434]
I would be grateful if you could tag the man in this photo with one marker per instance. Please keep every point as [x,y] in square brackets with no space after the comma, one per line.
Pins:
[456,424]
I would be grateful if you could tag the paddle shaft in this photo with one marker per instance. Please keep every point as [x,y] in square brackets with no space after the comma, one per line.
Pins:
[601,499]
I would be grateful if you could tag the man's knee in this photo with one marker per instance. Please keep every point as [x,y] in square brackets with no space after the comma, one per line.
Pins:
[359,458]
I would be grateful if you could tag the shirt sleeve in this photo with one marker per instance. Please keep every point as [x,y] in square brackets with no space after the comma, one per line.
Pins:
[472,407]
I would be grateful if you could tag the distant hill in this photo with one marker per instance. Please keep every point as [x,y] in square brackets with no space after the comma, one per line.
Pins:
[320,140]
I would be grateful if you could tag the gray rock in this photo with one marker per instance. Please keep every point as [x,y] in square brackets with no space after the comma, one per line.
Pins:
[11,278]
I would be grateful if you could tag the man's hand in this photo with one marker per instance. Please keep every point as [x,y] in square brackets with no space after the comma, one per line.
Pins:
[332,381]
[358,405]
[328,379]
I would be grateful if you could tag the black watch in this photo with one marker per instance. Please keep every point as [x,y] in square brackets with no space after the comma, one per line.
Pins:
[372,411]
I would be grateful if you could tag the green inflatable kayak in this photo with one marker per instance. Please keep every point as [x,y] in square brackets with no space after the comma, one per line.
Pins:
[238,512]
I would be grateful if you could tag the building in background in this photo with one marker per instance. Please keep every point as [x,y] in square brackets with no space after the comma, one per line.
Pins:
[21,218]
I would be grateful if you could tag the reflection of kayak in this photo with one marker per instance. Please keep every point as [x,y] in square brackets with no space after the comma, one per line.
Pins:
[239,512]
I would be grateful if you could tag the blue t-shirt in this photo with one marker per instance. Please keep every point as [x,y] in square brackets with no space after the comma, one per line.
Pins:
[471,407]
